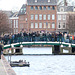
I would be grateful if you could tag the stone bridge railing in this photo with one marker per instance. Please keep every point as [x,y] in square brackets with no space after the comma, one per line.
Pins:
[57,47]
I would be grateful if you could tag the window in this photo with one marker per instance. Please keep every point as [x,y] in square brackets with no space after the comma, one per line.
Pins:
[44,8]
[11,23]
[21,10]
[24,9]
[40,25]
[48,17]
[59,26]
[32,25]
[40,7]
[64,17]
[40,17]
[49,0]
[44,25]
[61,9]
[36,25]
[53,25]
[26,19]
[74,9]
[36,17]
[21,26]
[48,7]
[63,25]
[14,23]
[59,17]
[44,17]
[32,8]
[53,8]
[36,8]
[16,30]
[32,17]
[53,17]
[48,25]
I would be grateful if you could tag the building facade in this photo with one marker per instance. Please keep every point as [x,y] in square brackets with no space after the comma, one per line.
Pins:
[38,15]
[14,23]
[63,14]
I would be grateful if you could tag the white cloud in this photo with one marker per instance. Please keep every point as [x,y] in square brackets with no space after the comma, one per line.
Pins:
[17,4]
[10,4]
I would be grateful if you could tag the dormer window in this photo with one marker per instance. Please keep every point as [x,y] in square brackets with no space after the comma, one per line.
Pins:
[21,10]
[49,0]
[35,0]
[61,9]
[32,8]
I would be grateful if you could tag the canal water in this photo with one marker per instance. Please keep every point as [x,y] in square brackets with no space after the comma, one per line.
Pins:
[45,64]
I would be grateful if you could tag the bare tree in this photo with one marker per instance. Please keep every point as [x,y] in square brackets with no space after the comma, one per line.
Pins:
[4,23]
[71,23]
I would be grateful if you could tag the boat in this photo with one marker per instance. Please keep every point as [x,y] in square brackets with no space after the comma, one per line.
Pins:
[19,63]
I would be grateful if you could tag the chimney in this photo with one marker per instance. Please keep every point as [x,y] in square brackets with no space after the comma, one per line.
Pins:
[65,3]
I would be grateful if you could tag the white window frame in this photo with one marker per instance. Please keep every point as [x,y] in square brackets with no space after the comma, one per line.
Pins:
[49,25]
[59,17]
[32,17]
[40,25]
[48,17]
[53,16]
[44,25]
[40,16]
[32,25]
[64,17]
[36,25]
[44,17]
[36,17]
[14,24]
[53,25]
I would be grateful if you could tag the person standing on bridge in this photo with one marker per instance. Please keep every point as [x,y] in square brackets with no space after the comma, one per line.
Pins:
[1,49]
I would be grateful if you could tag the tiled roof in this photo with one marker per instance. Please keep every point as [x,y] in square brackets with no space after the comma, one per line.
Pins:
[8,13]
[69,8]
[15,14]
[22,10]
[66,8]
[42,2]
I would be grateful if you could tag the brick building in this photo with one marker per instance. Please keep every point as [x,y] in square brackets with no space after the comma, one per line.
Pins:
[38,15]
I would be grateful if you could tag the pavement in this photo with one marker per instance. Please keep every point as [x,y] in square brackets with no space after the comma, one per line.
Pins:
[5,68]
[2,68]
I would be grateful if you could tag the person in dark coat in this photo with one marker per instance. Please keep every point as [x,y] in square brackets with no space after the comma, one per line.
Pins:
[1,49]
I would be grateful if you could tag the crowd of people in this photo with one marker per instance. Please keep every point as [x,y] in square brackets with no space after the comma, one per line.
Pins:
[24,36]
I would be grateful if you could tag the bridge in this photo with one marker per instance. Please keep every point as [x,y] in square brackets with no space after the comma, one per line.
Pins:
[57,47]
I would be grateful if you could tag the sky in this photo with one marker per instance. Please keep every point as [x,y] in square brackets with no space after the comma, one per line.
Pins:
[11,4]
[16,4]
